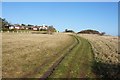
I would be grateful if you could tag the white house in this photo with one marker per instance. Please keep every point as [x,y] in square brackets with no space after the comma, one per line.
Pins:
[35,28]
[11,27]
[26,28]
[45,27]
[17,27]
[40,27]
[22,27]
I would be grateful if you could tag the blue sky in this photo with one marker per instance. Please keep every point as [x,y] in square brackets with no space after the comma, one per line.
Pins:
[101,16]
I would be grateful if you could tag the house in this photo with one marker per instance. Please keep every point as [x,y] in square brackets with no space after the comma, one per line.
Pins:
[26,28]
[40,27]
[22,27]
[17,27]
[45,27]
[11,27]
[35,28]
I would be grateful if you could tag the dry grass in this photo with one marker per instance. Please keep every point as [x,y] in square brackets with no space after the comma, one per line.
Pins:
[105,47]
[106,58]
[0,55]
[22,53]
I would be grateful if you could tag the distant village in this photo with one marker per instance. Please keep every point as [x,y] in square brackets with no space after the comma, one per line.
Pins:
[6,26]
[28,27]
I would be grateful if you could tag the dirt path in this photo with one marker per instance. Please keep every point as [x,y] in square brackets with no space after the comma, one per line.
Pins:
[74,64]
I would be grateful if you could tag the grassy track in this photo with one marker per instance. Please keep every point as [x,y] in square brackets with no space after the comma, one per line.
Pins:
[78,62]
[65,53]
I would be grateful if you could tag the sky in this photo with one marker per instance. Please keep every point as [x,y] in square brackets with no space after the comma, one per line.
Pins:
[60,0]
[101,16]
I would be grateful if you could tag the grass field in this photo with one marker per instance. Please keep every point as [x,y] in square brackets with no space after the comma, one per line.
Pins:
[77,64]
[29,55]
[105,47]
[106,57]
[0,55]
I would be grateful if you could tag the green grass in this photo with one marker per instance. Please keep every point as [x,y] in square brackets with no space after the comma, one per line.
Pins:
[77,64]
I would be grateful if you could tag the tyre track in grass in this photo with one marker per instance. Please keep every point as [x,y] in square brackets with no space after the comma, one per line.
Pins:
[78,63]
[47,62]
[52,68]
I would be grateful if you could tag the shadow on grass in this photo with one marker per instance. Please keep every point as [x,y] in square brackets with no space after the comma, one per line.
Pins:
[104,70]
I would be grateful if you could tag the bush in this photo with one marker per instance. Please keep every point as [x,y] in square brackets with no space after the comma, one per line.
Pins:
[89,32]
